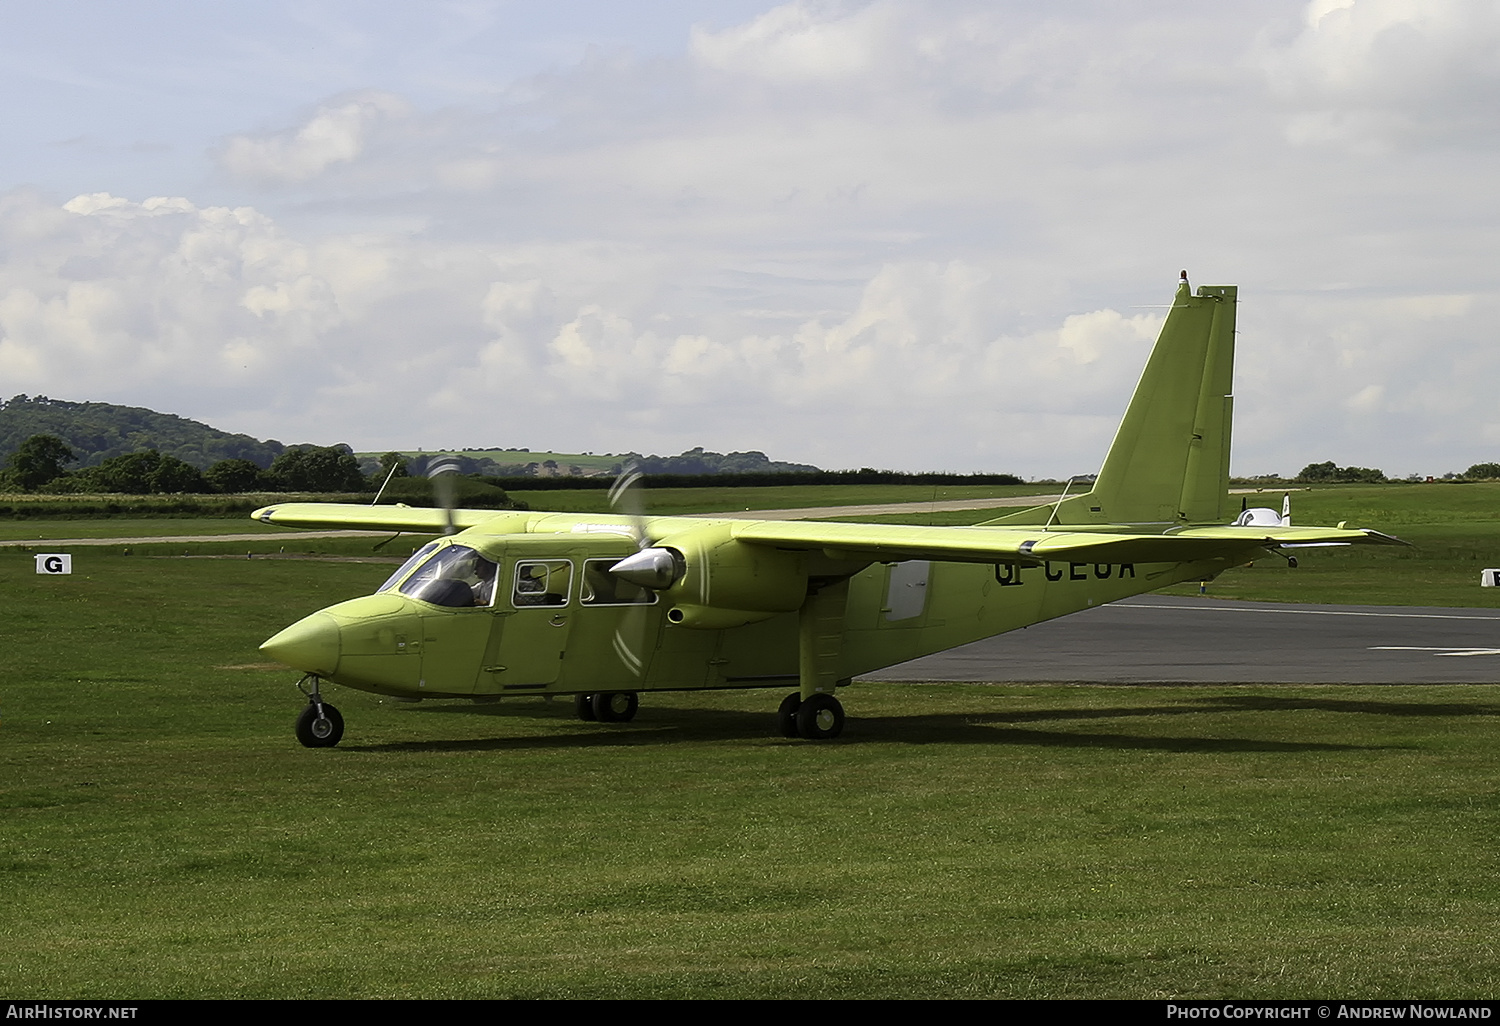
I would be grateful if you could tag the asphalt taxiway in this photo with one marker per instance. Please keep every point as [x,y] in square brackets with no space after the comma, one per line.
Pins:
[1154,638]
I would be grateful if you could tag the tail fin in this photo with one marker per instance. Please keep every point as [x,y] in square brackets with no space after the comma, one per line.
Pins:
[1170,459]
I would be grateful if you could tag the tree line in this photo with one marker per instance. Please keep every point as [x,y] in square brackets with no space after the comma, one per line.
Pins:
[1332,473]
[41,464]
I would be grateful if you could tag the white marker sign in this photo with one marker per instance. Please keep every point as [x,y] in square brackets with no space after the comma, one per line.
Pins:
[1489,578]
[54,563]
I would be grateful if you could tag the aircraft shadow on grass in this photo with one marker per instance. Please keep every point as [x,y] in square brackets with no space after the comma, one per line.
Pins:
[989,729]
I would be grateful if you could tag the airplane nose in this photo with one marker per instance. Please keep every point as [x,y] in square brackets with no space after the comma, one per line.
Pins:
[311,645]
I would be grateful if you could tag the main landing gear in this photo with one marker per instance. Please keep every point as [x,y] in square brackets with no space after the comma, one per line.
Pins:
[319,725]
[820,718]
[607,706]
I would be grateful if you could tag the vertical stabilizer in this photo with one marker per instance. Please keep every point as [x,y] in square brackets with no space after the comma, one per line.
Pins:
[1170,459]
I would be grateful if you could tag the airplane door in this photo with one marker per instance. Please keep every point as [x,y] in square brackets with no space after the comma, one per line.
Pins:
[453,643]
[455,587]
[906,593]
[526,649]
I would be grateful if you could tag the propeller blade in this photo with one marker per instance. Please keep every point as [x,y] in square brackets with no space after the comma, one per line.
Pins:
[625,498]
[444,477]
[630,639]
[650,568]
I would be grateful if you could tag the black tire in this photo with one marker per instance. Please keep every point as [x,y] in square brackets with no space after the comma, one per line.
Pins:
[583,707]
[316,731]
[786,716]
[616,706]
[820,718]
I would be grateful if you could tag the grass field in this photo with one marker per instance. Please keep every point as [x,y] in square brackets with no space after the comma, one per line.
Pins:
[165,836]
[129,527]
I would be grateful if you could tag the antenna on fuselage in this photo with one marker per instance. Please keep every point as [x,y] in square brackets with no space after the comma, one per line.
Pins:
[1058,504]
[394,467]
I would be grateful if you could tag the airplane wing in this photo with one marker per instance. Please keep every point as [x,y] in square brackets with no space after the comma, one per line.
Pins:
[1031,547]
[414,519]
[1026,546]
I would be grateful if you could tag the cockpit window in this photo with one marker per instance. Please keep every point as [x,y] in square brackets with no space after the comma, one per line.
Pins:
[416,557]
[455,576]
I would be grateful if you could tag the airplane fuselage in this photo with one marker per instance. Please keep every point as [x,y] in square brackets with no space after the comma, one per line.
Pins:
[394,644]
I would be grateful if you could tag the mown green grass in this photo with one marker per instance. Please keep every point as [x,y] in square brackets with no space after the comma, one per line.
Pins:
[130,527]
[164,835]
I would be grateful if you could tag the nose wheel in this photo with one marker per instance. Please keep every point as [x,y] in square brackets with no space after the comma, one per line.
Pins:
[319,725]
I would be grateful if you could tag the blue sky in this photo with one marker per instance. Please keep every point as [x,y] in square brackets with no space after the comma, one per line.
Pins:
[909,235]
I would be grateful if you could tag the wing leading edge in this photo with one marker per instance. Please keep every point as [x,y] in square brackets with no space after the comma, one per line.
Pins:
[887,542]
[415,519]
[1026,546]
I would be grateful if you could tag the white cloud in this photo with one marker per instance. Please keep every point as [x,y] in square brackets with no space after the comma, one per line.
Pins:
[797,42]
[853,234]
[1377,73]
[336,133]
[1367,399]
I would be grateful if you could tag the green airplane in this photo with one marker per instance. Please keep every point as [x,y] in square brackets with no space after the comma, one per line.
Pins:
[604,607]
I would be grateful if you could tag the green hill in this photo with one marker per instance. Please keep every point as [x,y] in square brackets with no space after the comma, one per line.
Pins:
[529,463]
[97,431]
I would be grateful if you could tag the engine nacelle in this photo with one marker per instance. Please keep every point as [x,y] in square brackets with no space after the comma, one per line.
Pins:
[728,583]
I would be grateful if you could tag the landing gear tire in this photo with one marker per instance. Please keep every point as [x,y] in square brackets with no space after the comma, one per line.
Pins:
[583,707]
[319,726]
[615,706]
[786,716]
[820,718]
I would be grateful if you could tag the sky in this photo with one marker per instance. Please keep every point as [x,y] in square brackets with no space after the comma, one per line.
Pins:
[904,235]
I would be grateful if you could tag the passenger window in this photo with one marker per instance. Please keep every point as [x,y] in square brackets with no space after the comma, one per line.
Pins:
[602,588]
[543,582]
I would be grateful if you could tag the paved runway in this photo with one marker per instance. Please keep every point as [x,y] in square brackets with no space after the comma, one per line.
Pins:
[1169,639]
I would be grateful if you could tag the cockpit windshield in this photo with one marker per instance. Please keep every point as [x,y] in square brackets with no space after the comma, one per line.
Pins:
[416,557]
[454,576]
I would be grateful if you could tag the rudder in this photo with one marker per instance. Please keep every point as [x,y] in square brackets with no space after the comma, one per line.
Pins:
[1169,462]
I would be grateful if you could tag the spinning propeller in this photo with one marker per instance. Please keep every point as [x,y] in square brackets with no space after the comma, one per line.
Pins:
[444,478]
[652,568]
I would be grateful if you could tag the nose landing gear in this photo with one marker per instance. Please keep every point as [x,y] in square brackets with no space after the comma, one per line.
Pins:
[319,725]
